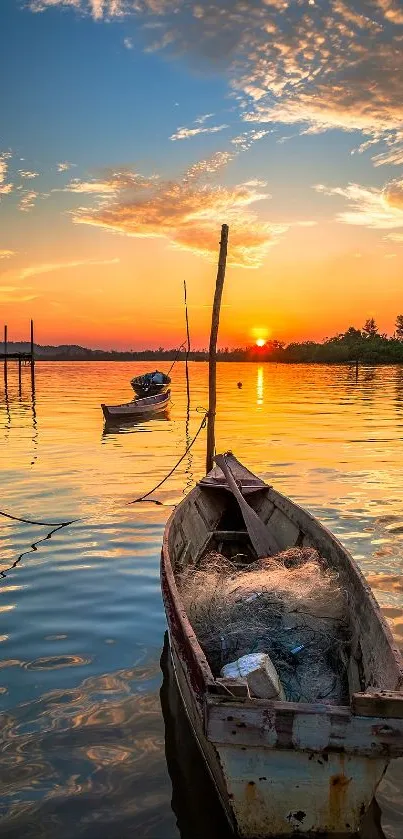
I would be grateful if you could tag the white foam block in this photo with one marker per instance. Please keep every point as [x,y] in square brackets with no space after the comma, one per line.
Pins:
[260,674]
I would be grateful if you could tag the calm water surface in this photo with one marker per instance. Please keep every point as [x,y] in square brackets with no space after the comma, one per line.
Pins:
[81,618]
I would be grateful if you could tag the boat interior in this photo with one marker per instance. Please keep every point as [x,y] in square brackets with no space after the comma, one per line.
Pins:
[209,519]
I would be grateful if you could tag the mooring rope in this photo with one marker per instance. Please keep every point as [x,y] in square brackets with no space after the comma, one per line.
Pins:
[58,525]
[55,526]
[201,426]
[176,357]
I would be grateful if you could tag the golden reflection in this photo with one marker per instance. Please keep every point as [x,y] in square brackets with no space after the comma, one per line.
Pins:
[57,662]
[260,386]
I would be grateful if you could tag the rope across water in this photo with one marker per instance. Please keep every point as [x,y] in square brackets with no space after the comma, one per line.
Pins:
[60,525]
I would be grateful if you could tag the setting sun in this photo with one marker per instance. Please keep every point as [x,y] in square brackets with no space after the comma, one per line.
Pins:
[260,342]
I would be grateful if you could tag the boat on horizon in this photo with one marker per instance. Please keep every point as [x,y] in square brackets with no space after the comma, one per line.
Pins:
[282,768]
[137,409]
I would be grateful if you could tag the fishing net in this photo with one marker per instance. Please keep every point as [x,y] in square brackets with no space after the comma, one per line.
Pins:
[290,606]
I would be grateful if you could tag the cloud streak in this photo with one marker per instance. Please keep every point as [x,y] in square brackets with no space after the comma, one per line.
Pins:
[187,211]
[6,254]
[28,200]
[5,188]
[184,133]
[27,175]
[51,267]
[381,209]
[64,166]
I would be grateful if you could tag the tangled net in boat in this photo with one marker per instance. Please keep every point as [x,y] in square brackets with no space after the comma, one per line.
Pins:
[290,606]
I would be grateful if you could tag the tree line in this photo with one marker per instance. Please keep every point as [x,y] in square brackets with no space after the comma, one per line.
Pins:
[367,344]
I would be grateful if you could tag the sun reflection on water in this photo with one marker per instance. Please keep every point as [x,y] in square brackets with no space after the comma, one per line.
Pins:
[260,386]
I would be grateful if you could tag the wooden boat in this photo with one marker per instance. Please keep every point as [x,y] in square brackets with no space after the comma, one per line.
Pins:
[283,768]
[146,385]
[137,409]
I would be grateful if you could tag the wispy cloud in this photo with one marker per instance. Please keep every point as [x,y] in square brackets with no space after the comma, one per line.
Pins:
[5,188]
[188,212]
[202,119]
[381,209]
[128,43]
[96,8]
[395,237]
[245,140]
[51,267]
[28,200]
[184,133]
[111,182]
[64,167]
[24,173]
[6,254]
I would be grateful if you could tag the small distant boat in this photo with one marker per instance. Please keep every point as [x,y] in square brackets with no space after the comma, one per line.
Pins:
[150,383]
[283,768]
[137,409]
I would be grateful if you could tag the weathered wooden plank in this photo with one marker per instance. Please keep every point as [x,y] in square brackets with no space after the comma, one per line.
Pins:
[286,531]
[194,528]
[262,506]
[353,675]
[238,687]
[316,729]
[383,704]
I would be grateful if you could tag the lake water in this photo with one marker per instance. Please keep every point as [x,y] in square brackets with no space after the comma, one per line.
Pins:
[81,618]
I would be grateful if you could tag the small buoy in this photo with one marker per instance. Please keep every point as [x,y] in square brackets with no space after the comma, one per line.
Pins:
[239,384]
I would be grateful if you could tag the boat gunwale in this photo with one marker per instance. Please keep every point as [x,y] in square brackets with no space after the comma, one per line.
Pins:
[206,681]
[203,670]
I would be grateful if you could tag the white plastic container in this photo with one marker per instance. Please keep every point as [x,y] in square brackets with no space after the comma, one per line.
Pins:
[260,674]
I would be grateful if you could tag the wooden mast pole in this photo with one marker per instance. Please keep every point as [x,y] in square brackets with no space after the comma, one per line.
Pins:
[212,371]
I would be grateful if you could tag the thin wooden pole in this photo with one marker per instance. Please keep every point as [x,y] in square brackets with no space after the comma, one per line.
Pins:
[32,340]
[187,347]
[32,360]
[19,375]
[5,355]
[215,320]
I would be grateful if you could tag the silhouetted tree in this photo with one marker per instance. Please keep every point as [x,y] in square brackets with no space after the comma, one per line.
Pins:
[352,334]
[370,328]
[399,327]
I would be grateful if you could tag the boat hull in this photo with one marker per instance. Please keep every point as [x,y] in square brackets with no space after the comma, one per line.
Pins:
[284,768]
[138,409]
[274,793]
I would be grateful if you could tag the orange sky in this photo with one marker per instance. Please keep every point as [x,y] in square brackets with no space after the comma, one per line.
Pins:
[118,169]
[133,300]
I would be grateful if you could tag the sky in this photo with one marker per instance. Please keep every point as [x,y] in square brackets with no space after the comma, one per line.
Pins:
[131,130]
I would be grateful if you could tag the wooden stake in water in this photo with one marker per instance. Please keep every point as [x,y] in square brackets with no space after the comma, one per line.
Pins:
[212,372]
[5,355]
[32,358]
[187,347]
